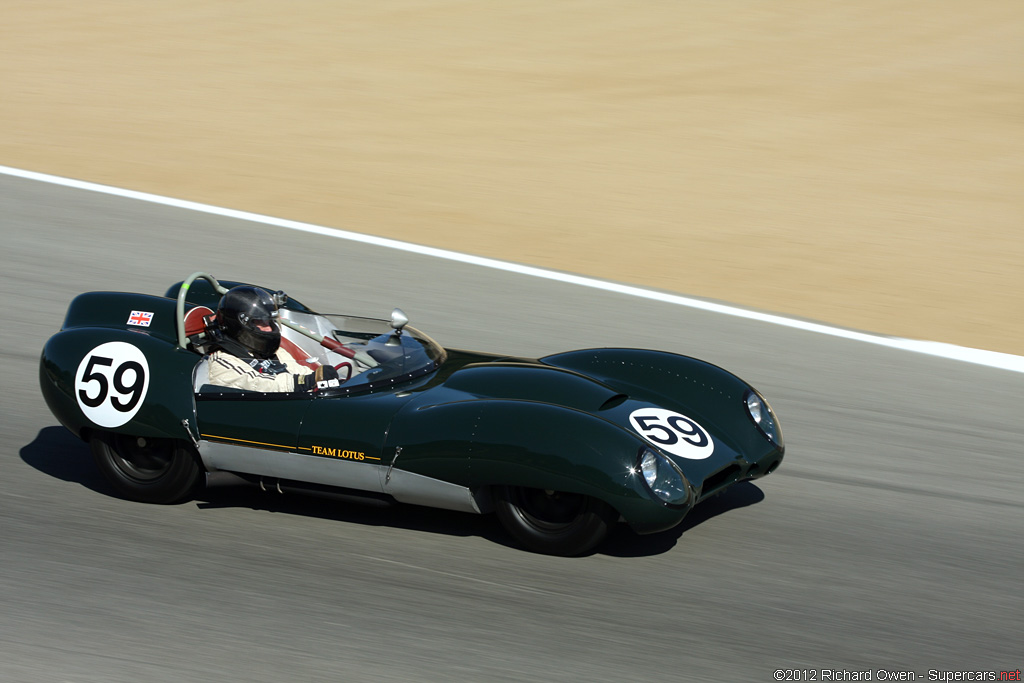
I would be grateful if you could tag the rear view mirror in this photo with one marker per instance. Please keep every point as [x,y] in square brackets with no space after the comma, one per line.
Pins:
[399,319]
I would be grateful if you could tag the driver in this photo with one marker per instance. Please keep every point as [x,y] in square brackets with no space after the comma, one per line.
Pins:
[248,354]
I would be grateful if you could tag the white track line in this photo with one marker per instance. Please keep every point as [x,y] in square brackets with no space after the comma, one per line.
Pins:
[991,359]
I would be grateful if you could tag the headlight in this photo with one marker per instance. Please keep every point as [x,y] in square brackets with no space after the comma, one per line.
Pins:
[664,478]
[762,415]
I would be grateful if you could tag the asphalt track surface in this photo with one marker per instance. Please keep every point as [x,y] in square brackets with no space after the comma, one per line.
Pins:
[889,539]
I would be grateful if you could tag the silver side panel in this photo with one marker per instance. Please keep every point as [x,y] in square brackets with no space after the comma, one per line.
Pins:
[405,487]
[296,466]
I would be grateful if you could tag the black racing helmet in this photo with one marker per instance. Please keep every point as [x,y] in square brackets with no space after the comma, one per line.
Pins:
[246,314]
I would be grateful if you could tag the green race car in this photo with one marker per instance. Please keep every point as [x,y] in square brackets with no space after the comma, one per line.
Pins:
[560,447]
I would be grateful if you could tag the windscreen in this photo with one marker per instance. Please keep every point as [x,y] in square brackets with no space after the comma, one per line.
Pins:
[399,356]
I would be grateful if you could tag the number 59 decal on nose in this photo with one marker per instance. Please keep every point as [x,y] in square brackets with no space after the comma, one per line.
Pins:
[111,382]
[673,433]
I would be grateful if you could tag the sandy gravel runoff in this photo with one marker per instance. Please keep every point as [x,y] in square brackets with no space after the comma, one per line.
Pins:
[858,163]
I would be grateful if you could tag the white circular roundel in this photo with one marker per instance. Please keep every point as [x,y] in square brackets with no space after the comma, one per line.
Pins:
[111,382]
[673,433]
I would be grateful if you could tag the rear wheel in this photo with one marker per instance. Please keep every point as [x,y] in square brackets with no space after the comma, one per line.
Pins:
[553,522]
[147,470]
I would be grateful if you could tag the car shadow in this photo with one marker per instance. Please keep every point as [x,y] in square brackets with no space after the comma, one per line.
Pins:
[59,454]
[624,543]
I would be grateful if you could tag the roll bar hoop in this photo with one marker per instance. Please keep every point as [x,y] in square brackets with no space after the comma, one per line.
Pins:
[182,293]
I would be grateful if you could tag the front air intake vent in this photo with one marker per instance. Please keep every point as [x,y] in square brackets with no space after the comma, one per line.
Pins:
[721,479]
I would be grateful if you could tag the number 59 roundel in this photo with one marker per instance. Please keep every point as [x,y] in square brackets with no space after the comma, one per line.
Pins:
[111,382]
[673,433]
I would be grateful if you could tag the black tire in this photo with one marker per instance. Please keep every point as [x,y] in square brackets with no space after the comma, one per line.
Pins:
[147,470]
[551,522]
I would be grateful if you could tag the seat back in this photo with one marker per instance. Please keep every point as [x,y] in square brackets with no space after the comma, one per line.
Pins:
[201,374]
[195,322]
[196,327]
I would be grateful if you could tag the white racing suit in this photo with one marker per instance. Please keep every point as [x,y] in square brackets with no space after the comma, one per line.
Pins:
[275,374]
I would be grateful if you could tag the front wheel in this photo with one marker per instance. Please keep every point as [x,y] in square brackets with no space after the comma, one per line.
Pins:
[553,522]
[147,470]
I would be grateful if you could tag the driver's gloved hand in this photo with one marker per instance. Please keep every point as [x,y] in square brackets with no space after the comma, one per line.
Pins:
[309,382]
[325,372]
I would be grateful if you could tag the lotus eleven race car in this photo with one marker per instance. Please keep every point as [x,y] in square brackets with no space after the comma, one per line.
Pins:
[560,448]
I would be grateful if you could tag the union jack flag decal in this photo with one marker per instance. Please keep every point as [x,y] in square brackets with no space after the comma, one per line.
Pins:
[140,318]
